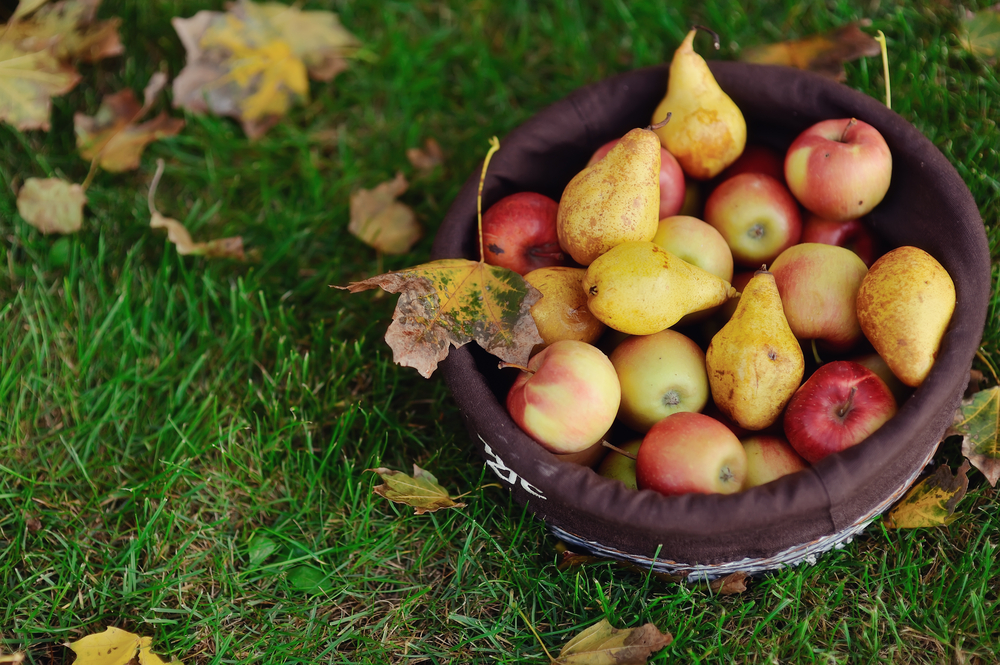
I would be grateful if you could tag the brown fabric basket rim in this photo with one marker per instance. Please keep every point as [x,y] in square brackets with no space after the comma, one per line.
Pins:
[928,205]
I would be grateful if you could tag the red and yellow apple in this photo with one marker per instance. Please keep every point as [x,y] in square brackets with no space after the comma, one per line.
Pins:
[850,233]
[770,458]
[697,242]
[519,233]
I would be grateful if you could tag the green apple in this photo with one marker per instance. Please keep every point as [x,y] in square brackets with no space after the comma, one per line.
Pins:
[620,467]
[660,374]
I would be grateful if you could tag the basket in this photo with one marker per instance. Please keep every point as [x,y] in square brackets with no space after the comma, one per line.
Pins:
[796,517]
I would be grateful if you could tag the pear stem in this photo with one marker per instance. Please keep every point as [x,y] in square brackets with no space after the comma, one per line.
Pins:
[716,42]
[618,450]
[660,123]
[494,146]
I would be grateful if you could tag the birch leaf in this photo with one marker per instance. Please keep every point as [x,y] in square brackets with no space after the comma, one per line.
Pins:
[51,205]
[28,82]
[932,501]
[112,135]
[380,221]
[824,54]
[421,491]
[450,302]
[602,644]
[978,421]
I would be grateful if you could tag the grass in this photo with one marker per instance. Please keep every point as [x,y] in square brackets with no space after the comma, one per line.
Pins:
[183,442]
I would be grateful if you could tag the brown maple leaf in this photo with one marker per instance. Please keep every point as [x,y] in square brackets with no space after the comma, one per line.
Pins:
[382,222]
[824,54]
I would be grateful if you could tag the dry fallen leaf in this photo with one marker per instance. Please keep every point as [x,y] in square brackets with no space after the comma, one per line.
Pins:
[602,644]
[421,490]
[978,421]
[178,234]
[824,54]
[932,501]
[28,82]
[25,7]
[253,62]
[113,138]
[450,302]
[980,32]
[70,29]
[115,647]
[732,583]
[16,658]
[426,159]
[51,205]
[382,222]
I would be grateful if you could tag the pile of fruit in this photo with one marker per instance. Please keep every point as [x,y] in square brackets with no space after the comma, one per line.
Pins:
[694,285]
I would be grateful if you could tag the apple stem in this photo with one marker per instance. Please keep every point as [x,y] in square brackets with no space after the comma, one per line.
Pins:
[660,123]
[503,365]
[819,361]
[844,410]
[715,36]
[618,450]
[494,146]
[843,135]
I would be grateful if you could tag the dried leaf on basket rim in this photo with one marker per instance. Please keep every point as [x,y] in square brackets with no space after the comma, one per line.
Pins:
[824,54]
[382,222]
[421,491]
[932,501]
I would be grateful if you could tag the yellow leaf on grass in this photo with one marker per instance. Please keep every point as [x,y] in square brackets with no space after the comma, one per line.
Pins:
[16,658]
[450,302]
[978,421]
[602,644]
[28,82]
[824,54]
[421,491]
[147,657]
[113,138]
[316,37]
[980,32]
[112,647]
[382,222]
[932,501]
[51,205]
[178,234]
[24,8]
[70,29]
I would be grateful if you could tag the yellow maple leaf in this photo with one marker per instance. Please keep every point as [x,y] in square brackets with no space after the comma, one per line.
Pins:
[69,28]
[28,82]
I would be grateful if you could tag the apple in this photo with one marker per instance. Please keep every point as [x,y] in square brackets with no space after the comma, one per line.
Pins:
[672,186]
[619,467]
[770,458]
[568,397]
[839,169]
[850,233]
[697,242]
[757,158]
[519,233]
[756,215]
[660,374]
[837,407]
[690,452]
[818,285]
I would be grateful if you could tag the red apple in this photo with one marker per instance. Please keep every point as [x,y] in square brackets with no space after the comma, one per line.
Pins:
[519,233]
[837,407]
[756,215]
[757,158]
[839,169]
[672,189]
[850,233]
[690,452]
[819,286]
[568,398]
[770,458]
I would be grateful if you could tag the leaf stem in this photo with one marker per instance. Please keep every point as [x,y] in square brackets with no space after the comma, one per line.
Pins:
[885,68]
[537,636]
[152,187]
[494,146]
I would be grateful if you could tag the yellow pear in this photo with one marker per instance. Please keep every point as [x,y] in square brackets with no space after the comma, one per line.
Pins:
[755,364]
[562,312]
[707,131]
[640,288]
[904,306]
[613,200]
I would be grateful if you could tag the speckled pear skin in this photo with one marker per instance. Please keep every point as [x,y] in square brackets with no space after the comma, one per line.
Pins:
[614,200]
[707,131]
[904,306]
[755,364]
[640,288]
